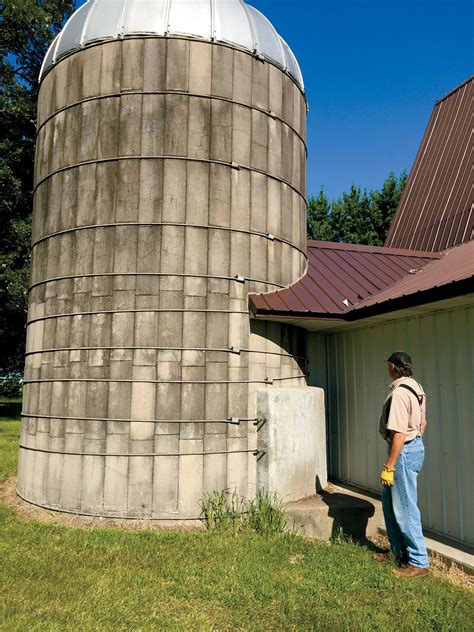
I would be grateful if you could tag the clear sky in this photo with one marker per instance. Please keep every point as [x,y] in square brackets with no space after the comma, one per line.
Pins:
[373,70]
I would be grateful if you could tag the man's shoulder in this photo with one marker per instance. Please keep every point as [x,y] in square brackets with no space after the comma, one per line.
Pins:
[407,384]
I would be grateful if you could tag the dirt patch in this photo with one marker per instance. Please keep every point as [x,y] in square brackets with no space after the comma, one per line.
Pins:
[9,497]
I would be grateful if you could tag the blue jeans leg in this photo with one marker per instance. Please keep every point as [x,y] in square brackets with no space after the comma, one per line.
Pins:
[404,502]
[395,536]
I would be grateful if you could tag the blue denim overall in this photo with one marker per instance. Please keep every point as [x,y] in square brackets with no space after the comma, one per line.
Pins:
[399,503]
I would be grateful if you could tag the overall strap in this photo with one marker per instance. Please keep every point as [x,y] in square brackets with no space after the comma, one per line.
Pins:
[408,388]
[412,390]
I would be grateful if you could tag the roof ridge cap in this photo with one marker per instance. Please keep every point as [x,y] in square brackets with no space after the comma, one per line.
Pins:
[446,251]
[454,90]
[384,250]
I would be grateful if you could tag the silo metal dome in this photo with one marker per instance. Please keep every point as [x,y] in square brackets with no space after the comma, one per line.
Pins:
[228,21]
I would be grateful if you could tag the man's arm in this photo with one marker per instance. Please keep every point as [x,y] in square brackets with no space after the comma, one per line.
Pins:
[423,426]
[398,441]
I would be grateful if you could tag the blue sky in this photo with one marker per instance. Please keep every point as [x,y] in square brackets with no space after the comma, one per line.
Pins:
[373,70]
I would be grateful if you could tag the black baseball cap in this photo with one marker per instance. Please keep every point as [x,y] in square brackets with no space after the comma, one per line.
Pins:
[400,359]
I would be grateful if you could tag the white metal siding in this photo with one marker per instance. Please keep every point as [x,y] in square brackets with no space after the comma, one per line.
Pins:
[356,380]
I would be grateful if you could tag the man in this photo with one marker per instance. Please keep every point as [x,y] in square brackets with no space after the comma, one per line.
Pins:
[402,425]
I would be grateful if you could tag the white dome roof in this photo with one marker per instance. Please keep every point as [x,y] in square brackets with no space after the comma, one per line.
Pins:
[229,21]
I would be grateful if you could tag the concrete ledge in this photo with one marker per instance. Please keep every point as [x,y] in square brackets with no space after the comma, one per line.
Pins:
[326,514]
[358,515]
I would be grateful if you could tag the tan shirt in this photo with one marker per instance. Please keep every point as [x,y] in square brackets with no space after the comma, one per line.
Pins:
[406,414]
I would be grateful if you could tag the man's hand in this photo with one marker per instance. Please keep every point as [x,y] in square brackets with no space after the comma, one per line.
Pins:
[387,477]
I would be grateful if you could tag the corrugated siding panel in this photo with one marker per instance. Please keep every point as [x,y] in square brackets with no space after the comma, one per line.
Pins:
[442,346]
[435,212]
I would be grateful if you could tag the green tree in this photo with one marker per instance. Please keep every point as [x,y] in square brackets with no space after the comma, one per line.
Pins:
[356,217]
[319,218]
[27,29]
[386,202]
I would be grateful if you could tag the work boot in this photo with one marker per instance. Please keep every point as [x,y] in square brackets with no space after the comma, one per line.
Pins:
[384,556]
[411,572]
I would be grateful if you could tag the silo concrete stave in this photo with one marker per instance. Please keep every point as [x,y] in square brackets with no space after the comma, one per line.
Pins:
[154,191]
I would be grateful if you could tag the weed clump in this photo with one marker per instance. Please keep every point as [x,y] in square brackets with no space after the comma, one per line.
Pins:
[225,511]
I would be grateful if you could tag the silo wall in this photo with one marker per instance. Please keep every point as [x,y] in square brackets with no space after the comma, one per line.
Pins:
[169,183]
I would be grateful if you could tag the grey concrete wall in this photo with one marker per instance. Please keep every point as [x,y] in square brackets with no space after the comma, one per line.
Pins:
[164,169]
[292,441]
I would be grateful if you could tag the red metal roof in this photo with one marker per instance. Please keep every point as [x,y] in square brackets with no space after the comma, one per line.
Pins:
[338,273]
[456,264]
[436,209]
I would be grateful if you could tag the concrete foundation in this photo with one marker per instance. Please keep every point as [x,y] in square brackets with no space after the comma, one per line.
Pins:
[291,441]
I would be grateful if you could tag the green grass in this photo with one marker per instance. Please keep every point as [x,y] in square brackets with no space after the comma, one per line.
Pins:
[9,434]
[61,578]
[228,511]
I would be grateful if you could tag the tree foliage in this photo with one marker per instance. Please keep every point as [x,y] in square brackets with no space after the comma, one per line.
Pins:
[356,217]
[27,27]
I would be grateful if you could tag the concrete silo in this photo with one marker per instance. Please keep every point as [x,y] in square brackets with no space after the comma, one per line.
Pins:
[169,183]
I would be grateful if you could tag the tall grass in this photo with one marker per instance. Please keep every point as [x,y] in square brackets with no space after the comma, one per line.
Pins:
[226,510]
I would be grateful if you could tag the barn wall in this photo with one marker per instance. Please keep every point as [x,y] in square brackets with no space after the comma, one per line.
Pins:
[441,344]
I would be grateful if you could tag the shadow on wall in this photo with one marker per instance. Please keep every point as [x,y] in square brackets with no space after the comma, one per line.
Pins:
[288,337]
[350,514]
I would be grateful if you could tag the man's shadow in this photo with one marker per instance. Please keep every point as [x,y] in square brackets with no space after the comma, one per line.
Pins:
[350,516]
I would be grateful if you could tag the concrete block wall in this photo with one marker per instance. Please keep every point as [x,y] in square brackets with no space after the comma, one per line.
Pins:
[169,183]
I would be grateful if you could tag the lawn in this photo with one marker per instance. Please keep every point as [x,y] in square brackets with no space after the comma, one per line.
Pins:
[9,433]
[61,578]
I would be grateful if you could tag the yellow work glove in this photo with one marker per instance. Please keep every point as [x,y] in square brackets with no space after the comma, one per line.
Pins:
[387,476]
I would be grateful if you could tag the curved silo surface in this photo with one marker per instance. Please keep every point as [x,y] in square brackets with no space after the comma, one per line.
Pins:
[169,183]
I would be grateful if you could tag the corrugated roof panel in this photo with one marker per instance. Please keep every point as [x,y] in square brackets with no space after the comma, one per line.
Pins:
[326,273]
[342,272]
[457,264]
[320,294]
[435,211]
[446,185]
[346,276]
